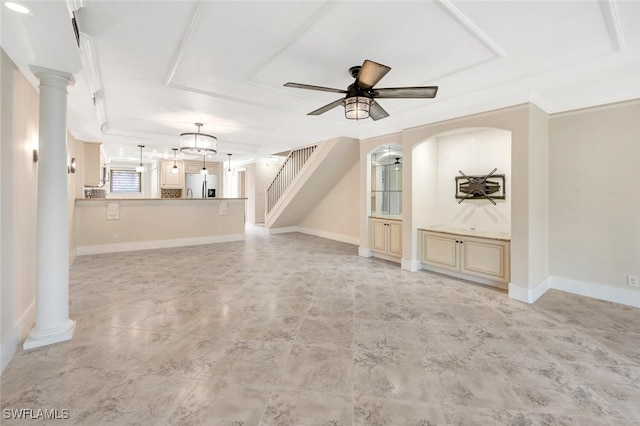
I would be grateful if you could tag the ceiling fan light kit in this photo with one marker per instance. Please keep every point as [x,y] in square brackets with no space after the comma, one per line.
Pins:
[357,107]
[198,143]
[359,100]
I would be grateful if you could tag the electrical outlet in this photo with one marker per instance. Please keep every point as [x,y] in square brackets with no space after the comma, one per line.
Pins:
[632,280]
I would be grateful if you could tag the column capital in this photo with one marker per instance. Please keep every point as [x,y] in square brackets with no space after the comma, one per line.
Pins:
[52,77]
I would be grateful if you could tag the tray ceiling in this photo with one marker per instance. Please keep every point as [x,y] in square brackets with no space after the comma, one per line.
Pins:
[161,66]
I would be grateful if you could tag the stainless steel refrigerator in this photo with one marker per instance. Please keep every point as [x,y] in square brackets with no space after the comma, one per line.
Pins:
[201,186]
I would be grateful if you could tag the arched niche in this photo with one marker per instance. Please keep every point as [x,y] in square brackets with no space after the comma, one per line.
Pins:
[438,160]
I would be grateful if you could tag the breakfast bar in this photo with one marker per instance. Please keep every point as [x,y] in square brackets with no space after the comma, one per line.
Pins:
[107,225]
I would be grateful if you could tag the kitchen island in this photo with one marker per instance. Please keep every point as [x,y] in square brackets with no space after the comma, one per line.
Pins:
[105,225]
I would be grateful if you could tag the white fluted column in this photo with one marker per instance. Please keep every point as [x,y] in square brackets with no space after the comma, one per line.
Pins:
[52,256]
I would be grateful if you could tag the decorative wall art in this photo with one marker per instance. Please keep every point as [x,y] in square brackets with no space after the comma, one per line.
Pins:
[476,187]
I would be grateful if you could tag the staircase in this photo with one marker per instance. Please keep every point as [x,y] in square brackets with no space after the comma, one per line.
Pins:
[287,173]
[305,177]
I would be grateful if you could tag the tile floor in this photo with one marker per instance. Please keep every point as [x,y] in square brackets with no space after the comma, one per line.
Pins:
[293,329]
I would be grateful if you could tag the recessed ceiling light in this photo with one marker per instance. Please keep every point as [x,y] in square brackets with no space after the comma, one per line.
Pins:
[20,8]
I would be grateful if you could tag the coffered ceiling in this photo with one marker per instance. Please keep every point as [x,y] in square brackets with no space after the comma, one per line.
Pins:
[157,67]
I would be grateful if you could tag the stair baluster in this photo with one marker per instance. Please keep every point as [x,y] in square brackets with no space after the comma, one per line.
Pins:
[286,174]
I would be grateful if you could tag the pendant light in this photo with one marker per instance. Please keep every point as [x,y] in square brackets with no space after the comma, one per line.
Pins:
[204,170]
[198,143]
[229,169]
[175,170]
[140,167]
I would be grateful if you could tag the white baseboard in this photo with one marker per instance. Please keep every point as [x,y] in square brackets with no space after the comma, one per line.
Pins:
[281,230]
[410,265]
[317,233]
[19,330]
[621,295]
[385,256]
[330,235]
[157,244]
[364,252]
[529,295]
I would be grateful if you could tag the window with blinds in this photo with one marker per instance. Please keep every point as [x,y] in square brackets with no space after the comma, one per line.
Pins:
[125,181]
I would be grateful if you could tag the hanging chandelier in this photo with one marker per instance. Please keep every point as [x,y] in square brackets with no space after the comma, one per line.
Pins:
[198,143]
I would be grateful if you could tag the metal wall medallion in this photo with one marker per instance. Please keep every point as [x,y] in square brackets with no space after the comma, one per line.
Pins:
[490,187]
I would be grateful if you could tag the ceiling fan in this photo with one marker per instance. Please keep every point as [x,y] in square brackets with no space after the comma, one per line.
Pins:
[359,100]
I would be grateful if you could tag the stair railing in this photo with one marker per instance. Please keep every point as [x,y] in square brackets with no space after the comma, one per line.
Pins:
[286,174]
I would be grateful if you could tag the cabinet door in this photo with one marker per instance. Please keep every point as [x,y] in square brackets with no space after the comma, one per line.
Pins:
[378,235]
[395,238]
[170,180]
[193,167]
[440,250]
[486,258]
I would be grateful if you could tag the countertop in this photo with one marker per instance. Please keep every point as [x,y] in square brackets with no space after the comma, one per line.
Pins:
[93,201]
[386,216]
[445,229]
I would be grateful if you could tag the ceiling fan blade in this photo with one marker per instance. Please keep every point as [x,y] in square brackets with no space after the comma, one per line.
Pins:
[376,112]
[310,87]
[371,73]
[327,107]
[405,92]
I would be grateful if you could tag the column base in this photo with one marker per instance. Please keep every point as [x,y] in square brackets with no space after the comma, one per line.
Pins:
[38,338]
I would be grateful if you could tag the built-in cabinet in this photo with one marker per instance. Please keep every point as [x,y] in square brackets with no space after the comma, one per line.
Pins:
[93,164]
[386,180]
[386,237]
[170,180]
[486,260]
[385,186]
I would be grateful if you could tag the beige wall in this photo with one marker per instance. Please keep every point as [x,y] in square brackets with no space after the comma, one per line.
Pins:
[538,194]
[74,190]
[595,195]
[19,113]
[258,176]
[336,214]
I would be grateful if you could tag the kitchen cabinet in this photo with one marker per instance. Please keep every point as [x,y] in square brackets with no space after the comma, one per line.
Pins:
[170,180]
[192,166]
[485,260]
[386,238]
[92,167]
